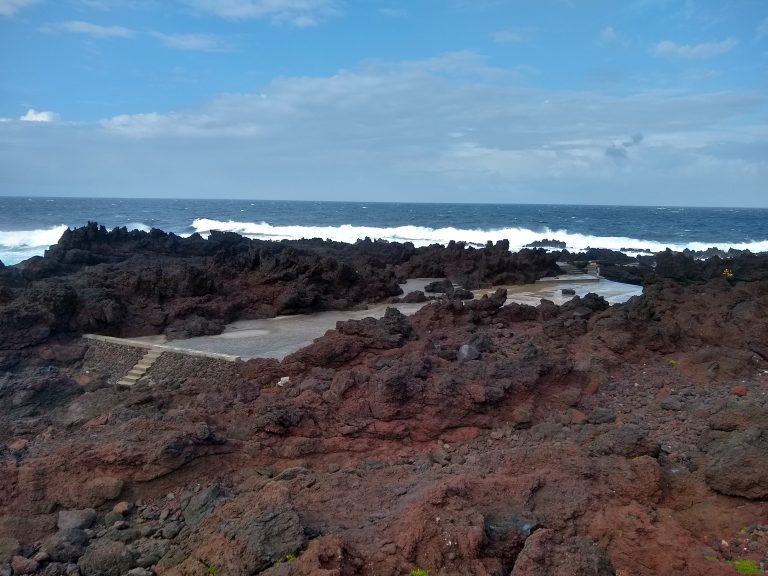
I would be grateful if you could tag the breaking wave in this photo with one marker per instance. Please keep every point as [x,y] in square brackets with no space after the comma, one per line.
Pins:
[18,245]
[422,236]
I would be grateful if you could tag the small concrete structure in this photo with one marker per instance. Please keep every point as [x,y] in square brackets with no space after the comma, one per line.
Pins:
[137,372]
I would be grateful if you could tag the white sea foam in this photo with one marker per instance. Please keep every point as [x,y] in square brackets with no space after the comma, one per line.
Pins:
[138,226]
[22,238]
[422,236]
[18,245]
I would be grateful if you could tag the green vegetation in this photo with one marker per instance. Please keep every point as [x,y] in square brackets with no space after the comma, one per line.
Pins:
[419,572]
[747,567]
[213,571]
[287,558]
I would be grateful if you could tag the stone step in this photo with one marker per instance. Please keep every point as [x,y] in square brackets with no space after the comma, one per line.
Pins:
[140,368]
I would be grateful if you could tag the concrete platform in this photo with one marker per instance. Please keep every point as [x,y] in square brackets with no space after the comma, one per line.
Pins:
[278,337]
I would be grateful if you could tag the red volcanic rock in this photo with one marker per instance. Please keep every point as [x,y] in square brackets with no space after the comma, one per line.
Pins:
[739,391]
[246,535]
[737,464]
[123,508]
[584,439]
[547,554]
[21,565]
[351,338]
[711,322]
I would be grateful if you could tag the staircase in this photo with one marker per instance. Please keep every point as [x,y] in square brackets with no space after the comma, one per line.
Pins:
[569,268]
[137,372]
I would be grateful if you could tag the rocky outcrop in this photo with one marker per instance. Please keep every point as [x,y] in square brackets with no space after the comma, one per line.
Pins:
[129,283]
[737,464]
[469,438]
[492,265]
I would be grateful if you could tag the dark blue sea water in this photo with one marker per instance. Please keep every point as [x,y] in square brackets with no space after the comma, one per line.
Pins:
[29,225]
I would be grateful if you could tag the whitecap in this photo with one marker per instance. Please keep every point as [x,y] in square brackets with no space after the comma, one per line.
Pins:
[31,238]
[18,245]
[423,236]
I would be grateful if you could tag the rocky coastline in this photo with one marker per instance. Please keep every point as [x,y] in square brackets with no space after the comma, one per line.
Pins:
[471,438]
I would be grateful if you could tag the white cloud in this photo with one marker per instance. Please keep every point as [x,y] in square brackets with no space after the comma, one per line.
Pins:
[201,42]
[448,128]
[299,13]
[669,49]
[33,115]
[95,30]
[10,7]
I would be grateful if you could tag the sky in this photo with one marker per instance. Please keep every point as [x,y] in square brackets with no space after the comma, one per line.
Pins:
[637,102]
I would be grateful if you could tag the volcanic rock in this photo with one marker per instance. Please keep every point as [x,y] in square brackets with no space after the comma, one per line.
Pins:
[200,505]
[584,439]
[475,268]
[23,565]
[544,554]
[445,286]
[76,519]
[8,549]
[467,352]
[247,535]
[737,464]
[66,545]
[106,558]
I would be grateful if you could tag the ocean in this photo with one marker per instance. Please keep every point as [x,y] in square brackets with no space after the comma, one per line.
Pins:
[28,226]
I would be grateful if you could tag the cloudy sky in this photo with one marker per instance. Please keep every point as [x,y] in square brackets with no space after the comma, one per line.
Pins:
[661,102]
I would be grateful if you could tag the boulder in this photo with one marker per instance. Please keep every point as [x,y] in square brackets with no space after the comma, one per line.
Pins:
[467,352]
[66,545]
[106,558]
[629,440]
[201,504]
[547,554]
[737,464]
[444,286]
[462,294]
[248,534]
[80,519]
[22,565]
[414,297]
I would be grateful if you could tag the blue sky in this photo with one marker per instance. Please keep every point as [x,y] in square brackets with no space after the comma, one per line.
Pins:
[564,101]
